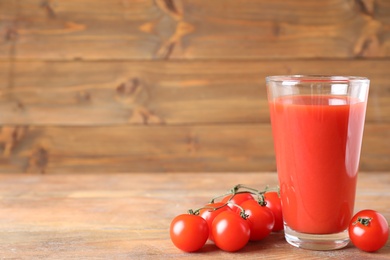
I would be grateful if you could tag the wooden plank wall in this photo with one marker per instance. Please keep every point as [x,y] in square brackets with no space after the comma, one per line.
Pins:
[174,85]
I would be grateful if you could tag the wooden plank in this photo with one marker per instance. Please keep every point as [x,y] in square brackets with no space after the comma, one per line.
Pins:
[171,93]
[90,29]
[132,149]
[8,31]
[5,74]
[126,216]
[214,148]
[80,93]
[197,29]
[375,152]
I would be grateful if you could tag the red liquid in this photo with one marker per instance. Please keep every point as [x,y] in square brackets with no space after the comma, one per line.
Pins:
[317,144]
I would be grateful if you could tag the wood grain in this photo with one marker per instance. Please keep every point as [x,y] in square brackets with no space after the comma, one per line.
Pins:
[174,85]
[127,216]
[163,93]
[214,148]
[135,149]
[8,33]
[196,29]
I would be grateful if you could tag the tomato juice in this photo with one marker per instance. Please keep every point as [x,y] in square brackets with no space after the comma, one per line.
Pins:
[317,143]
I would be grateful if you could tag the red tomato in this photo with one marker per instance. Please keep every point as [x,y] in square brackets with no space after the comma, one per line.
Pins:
[368,230]
[274,204]
[261,219]
[230,231]
[189,232]
[209,214]
[237,199]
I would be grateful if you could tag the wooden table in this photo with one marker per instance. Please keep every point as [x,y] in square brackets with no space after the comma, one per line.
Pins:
[126,216]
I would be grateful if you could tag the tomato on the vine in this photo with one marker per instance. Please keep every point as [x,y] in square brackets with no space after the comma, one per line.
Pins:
[237,199]
[261,219]
[230,231]
[368,230]
[274,203]
[209,214]
[189,232]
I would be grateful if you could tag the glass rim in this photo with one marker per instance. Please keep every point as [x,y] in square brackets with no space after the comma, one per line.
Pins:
[316,78]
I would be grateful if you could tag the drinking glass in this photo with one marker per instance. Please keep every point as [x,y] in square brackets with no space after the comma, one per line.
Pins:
[317,126]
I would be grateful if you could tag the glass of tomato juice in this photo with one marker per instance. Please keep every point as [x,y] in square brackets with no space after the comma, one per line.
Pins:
[317,126]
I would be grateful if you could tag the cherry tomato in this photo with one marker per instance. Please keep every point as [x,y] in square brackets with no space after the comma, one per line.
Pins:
[368,230]
[189,232]
[237,199]
[230,231]
[209,214]
[261,219]
[274,203]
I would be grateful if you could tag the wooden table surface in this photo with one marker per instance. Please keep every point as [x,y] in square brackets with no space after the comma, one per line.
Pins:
[126,216]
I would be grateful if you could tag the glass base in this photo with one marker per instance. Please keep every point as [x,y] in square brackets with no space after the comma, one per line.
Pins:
[316,241]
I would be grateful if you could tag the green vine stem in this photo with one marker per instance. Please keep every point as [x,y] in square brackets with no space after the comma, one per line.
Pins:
[237,189]
[240,188]
[197,211]
[221,196]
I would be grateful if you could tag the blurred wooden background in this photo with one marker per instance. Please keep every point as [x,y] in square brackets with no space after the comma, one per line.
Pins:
[174,85]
